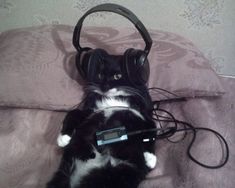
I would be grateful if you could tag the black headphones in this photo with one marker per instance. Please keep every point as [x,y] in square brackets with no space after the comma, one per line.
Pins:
[135,65]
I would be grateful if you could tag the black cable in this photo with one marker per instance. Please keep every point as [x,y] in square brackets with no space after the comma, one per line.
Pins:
[165,133]
[172,119]
[179,99]
[194,129]
[160,89]
[168,131]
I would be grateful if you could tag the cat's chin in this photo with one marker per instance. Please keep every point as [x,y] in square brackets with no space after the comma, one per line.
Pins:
[114,92]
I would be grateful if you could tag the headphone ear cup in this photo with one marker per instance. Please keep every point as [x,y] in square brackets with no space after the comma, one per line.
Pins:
[136,66]
[89,63]
[82,60]
[144,66]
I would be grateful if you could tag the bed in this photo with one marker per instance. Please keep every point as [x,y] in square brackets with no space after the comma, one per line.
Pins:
[39,84]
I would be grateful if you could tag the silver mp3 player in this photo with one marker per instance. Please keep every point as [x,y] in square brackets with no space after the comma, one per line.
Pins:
[111,136]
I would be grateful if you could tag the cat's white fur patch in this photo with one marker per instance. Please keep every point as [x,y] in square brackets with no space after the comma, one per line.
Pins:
[114,92]
[63,140]
[110,105]
[150,159]
[82,168]
[111,102]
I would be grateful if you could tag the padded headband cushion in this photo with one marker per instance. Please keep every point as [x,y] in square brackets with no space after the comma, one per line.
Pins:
[110,7]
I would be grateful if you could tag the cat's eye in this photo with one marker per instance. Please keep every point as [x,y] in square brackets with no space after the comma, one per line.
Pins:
[117,76]
[100,76]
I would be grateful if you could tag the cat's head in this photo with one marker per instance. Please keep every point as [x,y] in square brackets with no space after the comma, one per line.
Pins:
[106,71]
[108,77]
[110,74]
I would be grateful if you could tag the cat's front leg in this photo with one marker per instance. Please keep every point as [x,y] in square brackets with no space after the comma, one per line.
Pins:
[72,120]
[149,145]
[80,149]
[149,155]
[61,178]
[59,181]
[77,150]
[150,159]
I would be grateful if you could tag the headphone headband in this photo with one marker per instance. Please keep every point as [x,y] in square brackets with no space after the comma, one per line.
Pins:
[119,10]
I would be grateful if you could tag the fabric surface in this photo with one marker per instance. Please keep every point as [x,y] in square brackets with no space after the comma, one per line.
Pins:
[174,169]
[37,68]
[29,154]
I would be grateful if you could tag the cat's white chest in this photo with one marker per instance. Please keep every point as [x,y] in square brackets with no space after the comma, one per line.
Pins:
[112,103]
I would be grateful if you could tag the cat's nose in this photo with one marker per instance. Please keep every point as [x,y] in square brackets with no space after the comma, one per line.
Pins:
[105,87]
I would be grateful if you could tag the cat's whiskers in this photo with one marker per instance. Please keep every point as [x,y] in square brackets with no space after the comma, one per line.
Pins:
[131,90]
[113,92]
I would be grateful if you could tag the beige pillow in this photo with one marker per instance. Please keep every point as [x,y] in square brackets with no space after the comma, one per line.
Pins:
[37,68]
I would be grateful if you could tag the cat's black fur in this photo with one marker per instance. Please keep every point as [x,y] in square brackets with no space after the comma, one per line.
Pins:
[125,165]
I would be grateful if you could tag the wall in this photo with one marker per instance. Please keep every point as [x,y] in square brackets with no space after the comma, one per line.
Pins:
[210,24]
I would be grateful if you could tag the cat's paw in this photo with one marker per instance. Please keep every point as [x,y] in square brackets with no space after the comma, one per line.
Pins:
[63,140]
[150,159]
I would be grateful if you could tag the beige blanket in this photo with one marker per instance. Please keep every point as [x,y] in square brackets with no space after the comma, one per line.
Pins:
[29,154]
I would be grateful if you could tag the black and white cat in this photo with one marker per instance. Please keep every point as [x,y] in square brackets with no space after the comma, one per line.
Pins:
[109,103]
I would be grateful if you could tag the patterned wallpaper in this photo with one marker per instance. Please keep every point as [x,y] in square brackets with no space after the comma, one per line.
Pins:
[210,24]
